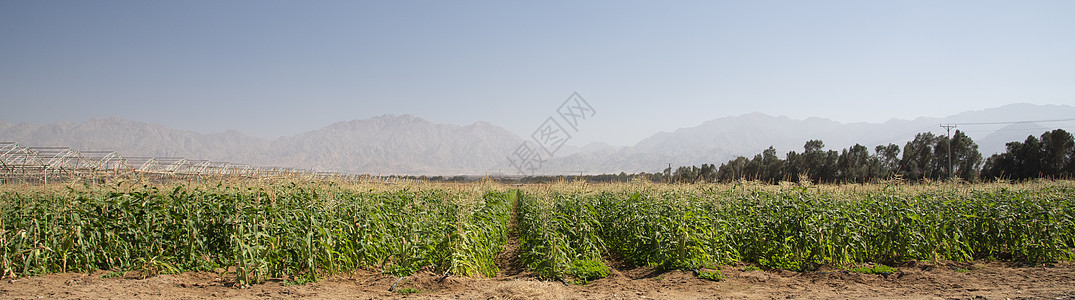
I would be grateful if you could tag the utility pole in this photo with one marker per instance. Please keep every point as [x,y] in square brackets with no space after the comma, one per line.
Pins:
[668,175]
[948,128]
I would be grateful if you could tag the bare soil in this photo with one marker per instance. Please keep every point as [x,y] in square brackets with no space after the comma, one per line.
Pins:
[914,280]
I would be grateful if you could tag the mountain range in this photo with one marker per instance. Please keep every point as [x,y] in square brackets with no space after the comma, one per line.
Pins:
[410,145]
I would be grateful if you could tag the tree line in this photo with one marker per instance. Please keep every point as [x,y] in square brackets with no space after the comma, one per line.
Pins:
[927,157]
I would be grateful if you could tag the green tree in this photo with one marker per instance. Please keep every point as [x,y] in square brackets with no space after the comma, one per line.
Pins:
[1057,146]
[853,164]
[733,170]
[1050,156]
[888,158]
[754,168]
[1028,158]
[966,159]
[793,166]
[918,156]
[686,174]
[1002,165]
[1070,169]
[818,163]
[772,166]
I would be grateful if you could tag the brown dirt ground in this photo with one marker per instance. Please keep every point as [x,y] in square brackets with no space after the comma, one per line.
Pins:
[914,280]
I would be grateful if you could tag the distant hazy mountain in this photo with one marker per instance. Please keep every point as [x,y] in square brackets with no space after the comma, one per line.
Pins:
[995,142]
[382,145]
[398,145]
[132,138]
[720,140]
[410,145]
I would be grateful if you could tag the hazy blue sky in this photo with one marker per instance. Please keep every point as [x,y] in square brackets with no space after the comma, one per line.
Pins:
[271,68]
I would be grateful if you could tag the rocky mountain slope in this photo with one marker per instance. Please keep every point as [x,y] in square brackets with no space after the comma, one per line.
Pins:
[410,145]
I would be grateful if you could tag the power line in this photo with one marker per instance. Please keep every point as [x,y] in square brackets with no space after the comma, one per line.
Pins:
[1014,122]
[1017,129]
[948,128]
[916,131]
[889,139]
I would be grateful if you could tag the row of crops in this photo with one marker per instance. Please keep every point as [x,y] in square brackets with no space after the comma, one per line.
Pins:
[568,231]
[287,231]
[304,231]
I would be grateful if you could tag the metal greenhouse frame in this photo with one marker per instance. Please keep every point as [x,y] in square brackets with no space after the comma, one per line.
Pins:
[20,164]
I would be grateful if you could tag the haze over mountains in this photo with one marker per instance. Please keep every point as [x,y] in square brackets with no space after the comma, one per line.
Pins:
[410,145]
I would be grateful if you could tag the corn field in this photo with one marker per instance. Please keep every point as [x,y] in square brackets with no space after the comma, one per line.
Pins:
[301,232]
